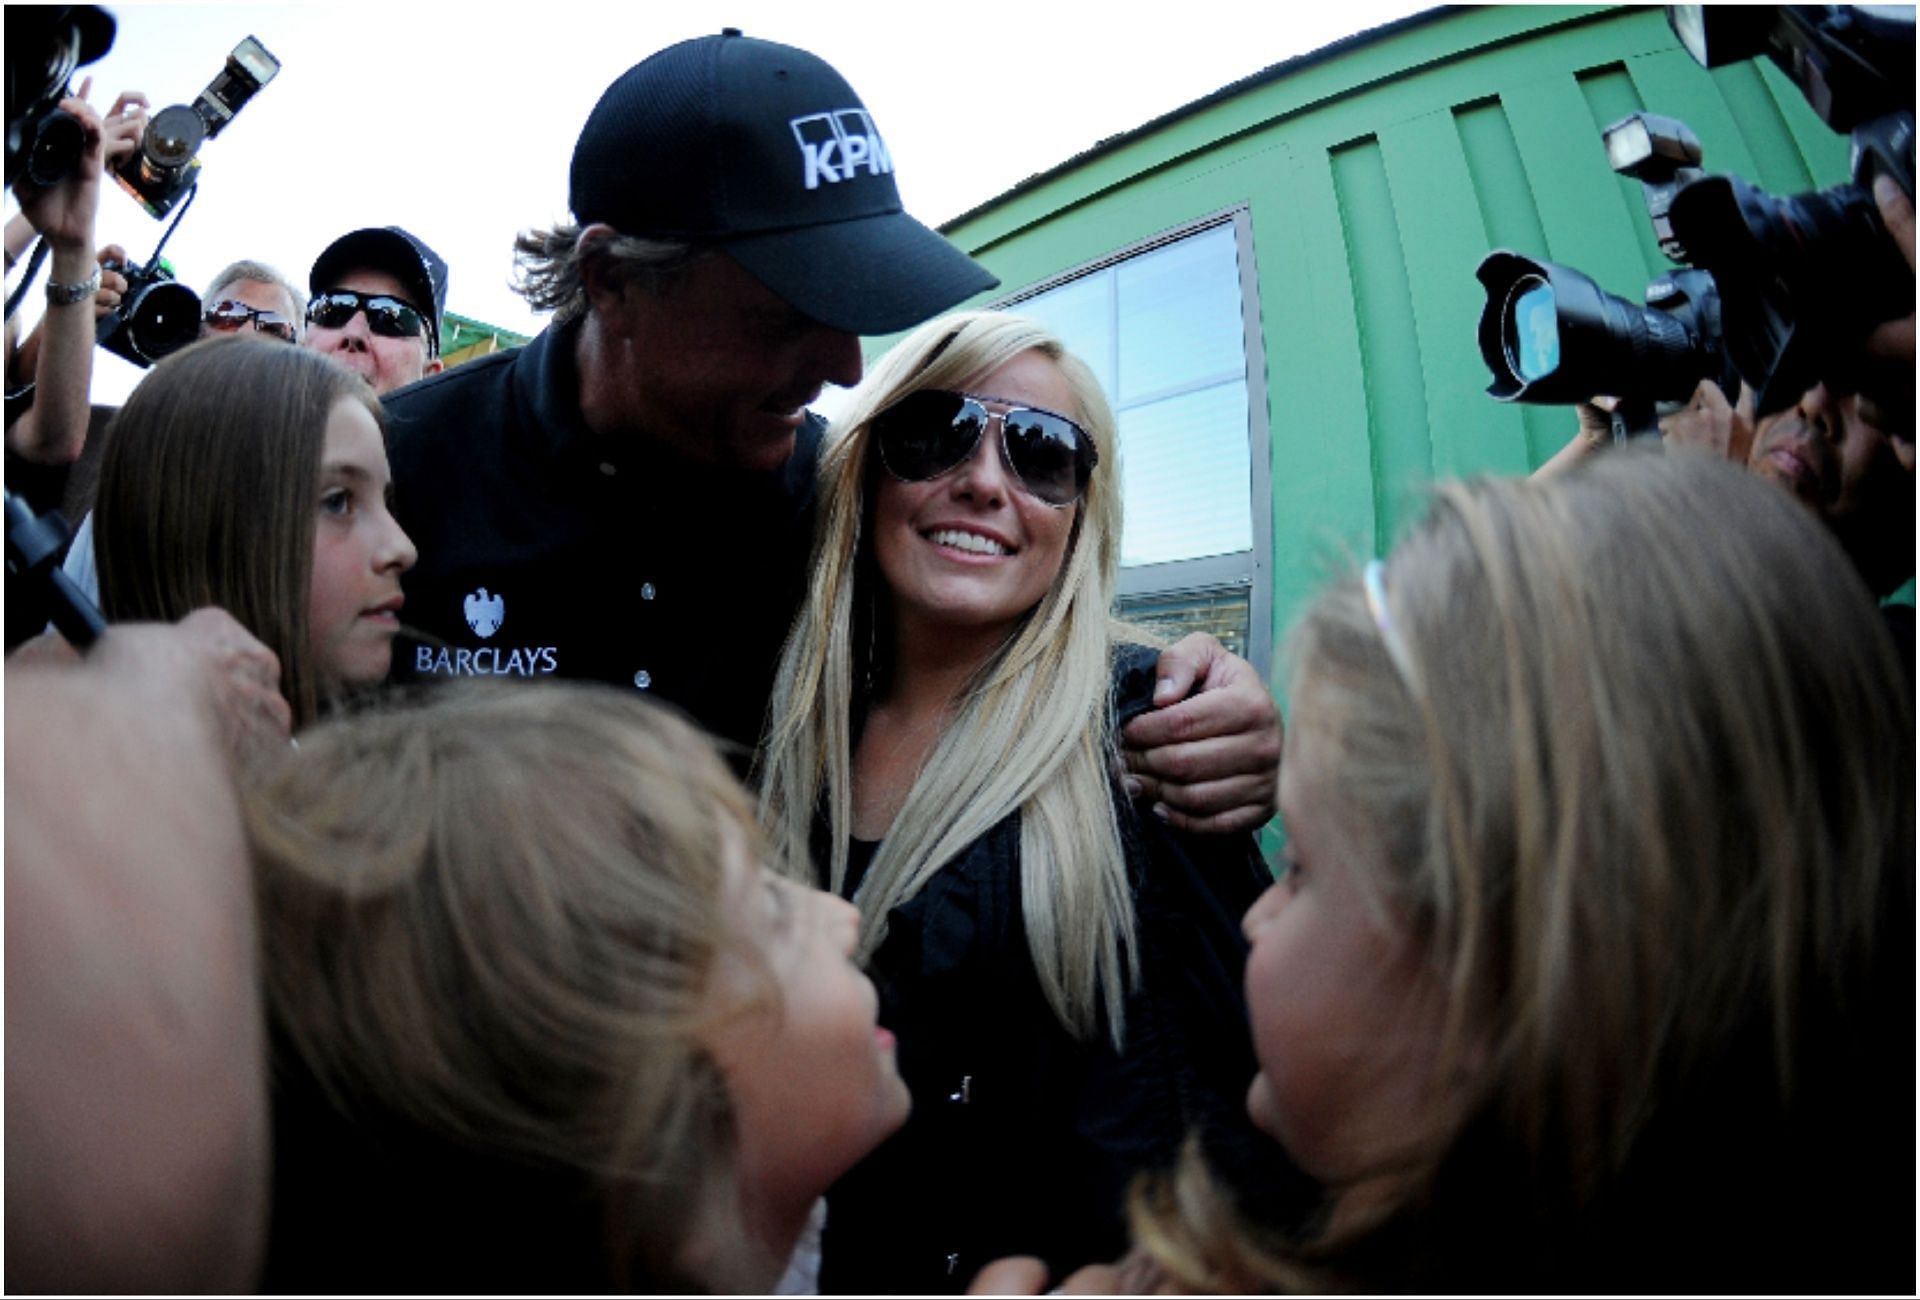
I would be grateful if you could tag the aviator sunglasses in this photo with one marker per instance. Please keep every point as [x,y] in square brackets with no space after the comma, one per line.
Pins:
[928,433]
[387,316]
[228,316]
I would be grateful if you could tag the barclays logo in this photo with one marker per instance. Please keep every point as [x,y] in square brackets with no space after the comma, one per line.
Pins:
[484,613]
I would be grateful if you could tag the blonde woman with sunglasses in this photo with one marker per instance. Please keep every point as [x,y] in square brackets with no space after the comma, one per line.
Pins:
[1062,972]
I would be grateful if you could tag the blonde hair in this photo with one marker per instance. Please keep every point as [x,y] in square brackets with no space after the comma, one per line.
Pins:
[491,914]
[1032,734]
[1643,778]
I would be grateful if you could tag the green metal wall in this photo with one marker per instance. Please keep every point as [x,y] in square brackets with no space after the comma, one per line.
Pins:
[1375,179]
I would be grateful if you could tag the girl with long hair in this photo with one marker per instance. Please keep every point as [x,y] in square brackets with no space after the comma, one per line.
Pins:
[1594,968]
[541,1019]
[1061,972]
[253,476]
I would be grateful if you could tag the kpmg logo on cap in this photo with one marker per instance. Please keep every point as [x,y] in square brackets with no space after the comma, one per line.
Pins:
[837,144]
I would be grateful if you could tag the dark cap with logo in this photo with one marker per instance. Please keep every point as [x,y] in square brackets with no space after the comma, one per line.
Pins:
[392,250]
[765,151]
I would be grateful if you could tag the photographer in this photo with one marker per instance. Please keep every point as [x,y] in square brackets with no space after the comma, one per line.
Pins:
[54,428]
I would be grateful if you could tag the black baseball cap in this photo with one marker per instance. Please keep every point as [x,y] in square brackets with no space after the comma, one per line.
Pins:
[763,150]
[403,256]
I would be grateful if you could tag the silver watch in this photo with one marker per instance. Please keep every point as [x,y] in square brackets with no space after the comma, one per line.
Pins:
[65,295]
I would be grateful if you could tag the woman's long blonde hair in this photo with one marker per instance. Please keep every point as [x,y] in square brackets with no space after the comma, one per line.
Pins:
[1032,734]
[1639,754]
[492,913]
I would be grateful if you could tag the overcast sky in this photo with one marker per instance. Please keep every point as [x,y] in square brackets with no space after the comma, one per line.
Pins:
[458,121]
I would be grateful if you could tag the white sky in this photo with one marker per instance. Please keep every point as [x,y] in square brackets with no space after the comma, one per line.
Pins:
[458,122]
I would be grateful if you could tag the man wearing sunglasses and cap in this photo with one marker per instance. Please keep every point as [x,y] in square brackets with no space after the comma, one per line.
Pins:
[629,497]
[378,295]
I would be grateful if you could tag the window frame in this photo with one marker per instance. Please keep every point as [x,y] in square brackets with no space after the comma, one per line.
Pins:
[1251,569]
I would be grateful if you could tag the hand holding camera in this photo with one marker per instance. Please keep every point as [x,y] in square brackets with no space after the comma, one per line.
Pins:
[62,208]
[1712,424]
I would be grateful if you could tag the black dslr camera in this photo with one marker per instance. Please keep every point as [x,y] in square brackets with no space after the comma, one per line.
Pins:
[45,45]
[1780,292]
[157,315]
[167,163]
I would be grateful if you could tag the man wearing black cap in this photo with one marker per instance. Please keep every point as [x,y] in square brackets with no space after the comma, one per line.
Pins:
[628,498]
[378,295]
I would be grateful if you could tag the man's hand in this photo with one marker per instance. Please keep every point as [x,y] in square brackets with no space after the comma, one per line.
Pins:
[1710,424]
[63,213]
[1208,752]
[1890,346]
[113,285]
[125,125]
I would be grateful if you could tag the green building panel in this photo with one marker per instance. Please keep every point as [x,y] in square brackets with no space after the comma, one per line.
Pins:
[1371,178]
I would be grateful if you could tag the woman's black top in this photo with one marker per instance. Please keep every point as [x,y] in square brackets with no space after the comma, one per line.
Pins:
[1023,1139]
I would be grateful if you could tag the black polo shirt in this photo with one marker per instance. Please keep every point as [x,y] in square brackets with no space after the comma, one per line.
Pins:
[548,551]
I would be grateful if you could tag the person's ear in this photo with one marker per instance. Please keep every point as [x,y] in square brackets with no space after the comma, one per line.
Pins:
[433,367]
[606,291]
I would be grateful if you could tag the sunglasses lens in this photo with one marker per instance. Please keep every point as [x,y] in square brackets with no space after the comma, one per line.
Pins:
[270,323]
[387,317]
[1045,451]
[332,310]
[225,317]
[927,433]
[392,318]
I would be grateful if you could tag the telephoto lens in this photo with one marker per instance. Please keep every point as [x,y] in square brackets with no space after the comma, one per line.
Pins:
[1549,334]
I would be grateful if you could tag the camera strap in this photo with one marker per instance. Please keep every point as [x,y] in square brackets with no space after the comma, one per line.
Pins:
[35,260]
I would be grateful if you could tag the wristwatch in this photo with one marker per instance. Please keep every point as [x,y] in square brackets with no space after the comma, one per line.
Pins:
[65,295]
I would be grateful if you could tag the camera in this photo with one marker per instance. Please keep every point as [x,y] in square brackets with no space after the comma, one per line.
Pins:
[157,315]
[1780,292]
[45,45]
[53,148]
[1550,334]
[167,163]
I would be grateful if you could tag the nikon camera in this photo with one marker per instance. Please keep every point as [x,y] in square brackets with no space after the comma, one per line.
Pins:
[1779,292]
[167,163]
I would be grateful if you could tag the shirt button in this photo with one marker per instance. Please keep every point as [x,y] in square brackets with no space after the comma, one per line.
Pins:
[646,591]
[643,679]
[608,468]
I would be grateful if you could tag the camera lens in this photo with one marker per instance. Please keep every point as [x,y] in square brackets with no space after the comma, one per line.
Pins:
[1550,334]
[58,142]
[164,318]
[1529,333]
[173,137]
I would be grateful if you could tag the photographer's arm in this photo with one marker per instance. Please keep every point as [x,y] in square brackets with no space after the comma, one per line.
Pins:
[1890,383]
[20,236]
[54,428]
[1594,432]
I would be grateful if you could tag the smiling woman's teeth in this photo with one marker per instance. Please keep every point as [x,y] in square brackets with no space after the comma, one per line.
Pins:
[960,541]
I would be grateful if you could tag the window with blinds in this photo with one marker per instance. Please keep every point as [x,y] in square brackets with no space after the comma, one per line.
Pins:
[1165,328]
